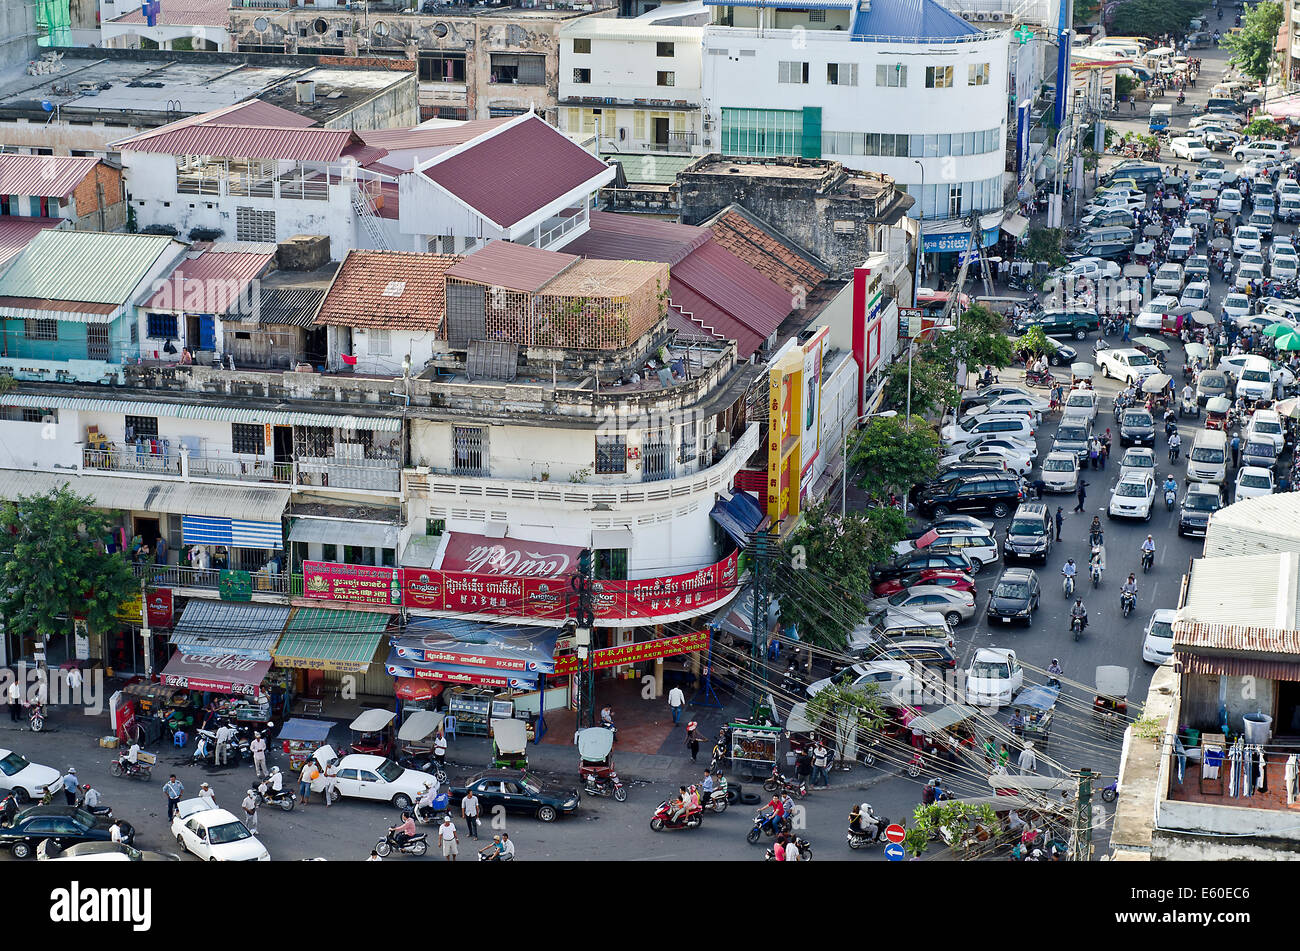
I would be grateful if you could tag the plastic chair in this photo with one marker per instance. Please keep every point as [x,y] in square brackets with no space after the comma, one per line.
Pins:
[449,727]
[179,738]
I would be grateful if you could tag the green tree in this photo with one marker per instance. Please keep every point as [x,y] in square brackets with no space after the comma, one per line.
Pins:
[978,339]
[1253,48]
[56,569]
[895,454]
[1153,17]
[1044,244]
[1124,86]
[1035,342]
[933,385]
[1265,129]
[825,578]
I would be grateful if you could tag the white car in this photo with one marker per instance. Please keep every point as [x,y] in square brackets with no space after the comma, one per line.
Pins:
[1152,315]
[1127,365]
[1060,472]
[1235,306]
[1126,200]
[1252,481]
[27,779]
[1197,268]
[1245,239]
[955,606]
[1158,638]
[1261,150]
[1195,295]
[1082,403]
[215,835]
[1137,460]
[887,675]
[994,677]
[1266,426]
[1132,497]
[1230,201]
[1282,244]
[997,441]
[1284,267]
[1253,258]
[1090,268]
[1189,148]
[1168,279]
[1012,424]
[1227,119]
[1019,403]
[362,776]
[1247,273]
[1014,460]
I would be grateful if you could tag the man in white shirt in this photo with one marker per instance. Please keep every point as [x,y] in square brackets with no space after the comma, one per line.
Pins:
[115,831]
[507,848]
[258,748]
[448,839]
[207,795]
[469,808]
[223,745]
[1028,760]
[15,694]
[440,748]
[676,700]
[331,780]
[250,811]
[277,780]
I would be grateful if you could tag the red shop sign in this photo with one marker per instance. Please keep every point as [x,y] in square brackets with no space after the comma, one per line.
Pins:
[158,607]
[360,584]
[634,653]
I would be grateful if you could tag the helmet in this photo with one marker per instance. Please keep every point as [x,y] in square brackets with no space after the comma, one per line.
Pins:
[249,791]
[72,770]
[275,769]
[85,786]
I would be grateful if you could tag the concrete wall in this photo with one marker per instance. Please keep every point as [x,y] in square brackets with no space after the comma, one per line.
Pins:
[127,36]
[99,202]
[17,33]
[1245,695]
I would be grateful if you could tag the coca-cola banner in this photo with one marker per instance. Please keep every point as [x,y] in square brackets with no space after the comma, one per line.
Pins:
[218,673]
[481,555]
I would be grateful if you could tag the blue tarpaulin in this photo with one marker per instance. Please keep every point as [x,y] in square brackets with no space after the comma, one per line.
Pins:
[738,516]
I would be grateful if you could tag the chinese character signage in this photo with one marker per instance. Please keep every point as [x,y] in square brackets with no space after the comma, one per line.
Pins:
[635,653]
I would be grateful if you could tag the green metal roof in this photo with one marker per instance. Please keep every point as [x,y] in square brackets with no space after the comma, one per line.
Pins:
[650,169]
[90,266]
[325,639]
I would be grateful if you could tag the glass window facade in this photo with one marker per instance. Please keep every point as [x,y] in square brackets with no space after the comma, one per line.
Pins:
[762,132]
[917,146]
[953,199]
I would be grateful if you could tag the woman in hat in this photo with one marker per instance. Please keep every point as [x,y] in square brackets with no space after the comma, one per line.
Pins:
[693,739]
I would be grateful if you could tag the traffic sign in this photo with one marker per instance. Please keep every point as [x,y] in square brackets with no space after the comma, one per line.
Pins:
[895,833]
[894,852]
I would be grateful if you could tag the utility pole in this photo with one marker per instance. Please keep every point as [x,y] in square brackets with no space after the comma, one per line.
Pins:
[1081,834]
[761,550]
[581,582]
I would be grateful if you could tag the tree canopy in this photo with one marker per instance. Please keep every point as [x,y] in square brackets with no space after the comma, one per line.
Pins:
[895,453]
[1153,17]
[1253,48]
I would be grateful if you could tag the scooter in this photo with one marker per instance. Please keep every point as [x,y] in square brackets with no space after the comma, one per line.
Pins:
[805,850]
[874,834]
[1148,559]
[778,783]
[1110,793]
[1127,600]
[124,767]
[763,824]
[1040,379]
[607,785]
[1068,586]
[101,810]
[433,813]
[1094,571]
[1171,496]
[36,716]
[663,821]
[1077,624]
[425,764]
[416,844]
[267,797]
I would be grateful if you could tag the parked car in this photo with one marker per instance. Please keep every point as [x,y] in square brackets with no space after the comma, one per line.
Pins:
[955,606]
[28,780]
[1132,497]
[943,577]
[512,791]
[996,495]
[1186,147]
[927,651]
[886,676]
[1015,596]
[1075,322]
[1158,637]
[1013,444]
[1014,460]
[362,776]
[993,677]
[1108,216]
[1007,424]
[214,835]
[47,851]
[65,825]
[921,560]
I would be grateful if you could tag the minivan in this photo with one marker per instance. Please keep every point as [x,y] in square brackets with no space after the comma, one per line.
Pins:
[990,493]
[1208,460]
[1223,104]
[1181,244]
[1030,533]
[1109,234]
[1072,436]
[1074,323]
[926,651]
[1144,175]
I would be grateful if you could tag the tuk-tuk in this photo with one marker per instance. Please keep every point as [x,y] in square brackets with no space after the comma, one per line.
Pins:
[1156,349]
[596,770]
[510,743]
[1031,713]
[1110,705]
[1081,376]
[1194,351]
[1143,252]
[1216,412]
[1159,118]
[372,733]
[415,749]
[942,733]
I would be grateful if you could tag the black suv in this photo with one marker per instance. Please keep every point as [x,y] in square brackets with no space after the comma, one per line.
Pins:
[1015,596]
[1137,428]
[996,494]
[1074,323]
[1199,503]
[920,559]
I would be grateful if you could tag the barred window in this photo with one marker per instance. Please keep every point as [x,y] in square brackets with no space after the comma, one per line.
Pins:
[469,450]
[248,438]
[161,326]
[35,329]
[144,427]
[611,454]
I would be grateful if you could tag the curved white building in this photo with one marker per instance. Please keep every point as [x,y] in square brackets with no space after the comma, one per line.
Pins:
[903,87]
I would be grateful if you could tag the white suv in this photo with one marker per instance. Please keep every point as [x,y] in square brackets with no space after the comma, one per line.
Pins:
[1127,365]
[1261,149]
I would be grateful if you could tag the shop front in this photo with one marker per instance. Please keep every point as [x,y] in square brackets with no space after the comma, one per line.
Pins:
[223,657]
[322,646]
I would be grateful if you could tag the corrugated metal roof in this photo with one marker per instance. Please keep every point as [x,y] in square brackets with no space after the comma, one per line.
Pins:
[429,137]
[730,284]
[89,266]
[219,627]
[1226,596]
[215,278]
[912,20]
[290,306]
[631,237]
[19,308]
[516,267]
[202,410]
[1266,523]
[649,169]
[516,171]
[712,320]
[305,145]
[48,175]
[253,502]
[16,233]
[331,639]
[1238,666]
[594,278]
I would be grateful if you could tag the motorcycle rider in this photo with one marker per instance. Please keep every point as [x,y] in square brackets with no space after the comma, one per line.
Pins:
[1069,570]
[774,812]
[276,779]
[864,821]
[679,806]
[720,783]
[1171,485]
[1094,561]
[692,800]
[1188,393]
[424,805]
[1094,532]
[89,797]
[405,832]
[1080,613]
[1129,588]
[130,759]
[1175,445]
[787,803]
[1149,546]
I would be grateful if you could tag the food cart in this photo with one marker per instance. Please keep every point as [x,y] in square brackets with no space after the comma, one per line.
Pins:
[300,738]
[753,748]
[372,732]
[1031,713]
[509,743]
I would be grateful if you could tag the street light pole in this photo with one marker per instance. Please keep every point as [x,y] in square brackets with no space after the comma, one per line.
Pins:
[844,455]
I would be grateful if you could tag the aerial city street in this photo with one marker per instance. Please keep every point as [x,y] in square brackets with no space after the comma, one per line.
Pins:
[588,432]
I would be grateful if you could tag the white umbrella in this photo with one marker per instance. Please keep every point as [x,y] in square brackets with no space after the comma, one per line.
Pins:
[1289,407]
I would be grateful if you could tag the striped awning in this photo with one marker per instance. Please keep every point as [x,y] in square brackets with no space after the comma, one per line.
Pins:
[121,493]
[233,532]
[325,639]
[31,308]
[219,627]
[201,410]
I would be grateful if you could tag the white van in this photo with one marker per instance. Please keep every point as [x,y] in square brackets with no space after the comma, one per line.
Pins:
[1208,460]
[1181,244]
[1256,380]
[1289,208]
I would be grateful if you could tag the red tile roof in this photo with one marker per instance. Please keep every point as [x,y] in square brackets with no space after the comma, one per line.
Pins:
[430,137]
[391,290]
[184,13]
[16,232]
[515,267]
[306,145]
[217,278]
[510,174]
[47,175]
[766,250]
[637,238]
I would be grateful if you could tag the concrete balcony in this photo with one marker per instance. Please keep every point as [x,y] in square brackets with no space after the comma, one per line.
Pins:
[181,465]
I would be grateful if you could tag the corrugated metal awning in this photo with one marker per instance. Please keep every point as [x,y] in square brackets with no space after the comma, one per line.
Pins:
[201,410]
[1238,667]
[218,627]
[252,502]
[331,532]
[325,639]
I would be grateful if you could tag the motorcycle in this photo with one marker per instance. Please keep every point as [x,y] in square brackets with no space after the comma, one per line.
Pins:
[718,800]
[124,767]
[778,783]
[805,850]
[105,811]
[416,844]
[663,821]
[1040,379]
[36,716]
[1094,570]
[763,824]
[1127,601]
[606,785]
[263,795]
[875,834]
[1110,793]
[425,764]
[1077,624]
[1171,496]
[1148,559]
[205,750]
[1068,586]
[432,814]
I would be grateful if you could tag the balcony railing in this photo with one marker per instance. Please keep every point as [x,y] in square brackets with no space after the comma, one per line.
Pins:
[677,142]
[377,475]
[175,463]
[182,576]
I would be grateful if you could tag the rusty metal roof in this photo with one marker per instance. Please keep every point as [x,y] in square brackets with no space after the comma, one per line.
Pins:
[51,176]
[215,278]
[516,267]
[1199,636]
[1238,666]
[637,238]
[240,141]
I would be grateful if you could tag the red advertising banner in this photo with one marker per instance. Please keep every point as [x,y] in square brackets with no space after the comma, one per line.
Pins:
[360,584]
[158,607]
[508,557]
[634,653]
[455,677]
[657,597]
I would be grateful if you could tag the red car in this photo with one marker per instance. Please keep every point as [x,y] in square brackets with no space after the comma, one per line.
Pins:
[940,576]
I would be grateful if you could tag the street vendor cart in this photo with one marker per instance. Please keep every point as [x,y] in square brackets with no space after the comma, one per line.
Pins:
[300,738]
[509,743]
[1031,714]
[1110,705]
[753,748]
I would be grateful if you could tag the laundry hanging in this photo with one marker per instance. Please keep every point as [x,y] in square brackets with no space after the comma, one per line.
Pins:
[1291,775]
[1262,777]
[1180,759]
[1213,760]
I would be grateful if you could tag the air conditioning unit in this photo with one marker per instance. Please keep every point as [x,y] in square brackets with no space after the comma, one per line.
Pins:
[981,16]
[999,16]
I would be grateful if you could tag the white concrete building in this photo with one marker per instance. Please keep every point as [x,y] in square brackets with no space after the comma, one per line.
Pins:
[178,25]
[633,84]
[902,87]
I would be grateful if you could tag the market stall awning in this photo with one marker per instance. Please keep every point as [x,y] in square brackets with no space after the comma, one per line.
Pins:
[738,516]
[522,649]
[325,639]
[334,532]
[215,672]
[302,730]
[218,627]
[456,674]
[160,692]
[419,724]
[482,555]
[1015,225]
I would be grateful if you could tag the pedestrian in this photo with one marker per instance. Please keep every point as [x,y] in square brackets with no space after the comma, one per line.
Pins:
[1236,450]
[1127,325]
[448,839]
[258,748]
[374,856]
[1094,452]
[693,740]
[507,848]
[1083,496]
[249,806]
[74,682]
[331,783]
[207,795]
[1028,761]
[440,748]
[469,810]
[676,700]
[1060,517]
[15,701]
[1054,673]
[821,763]
[1038,485]
[802,767]
[305,778]
[223,745]
[174,788]
[70,785]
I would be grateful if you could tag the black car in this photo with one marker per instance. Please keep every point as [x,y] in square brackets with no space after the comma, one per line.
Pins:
[515,792]
[66,825]
[921,559]
[926,651]
[996,494]
[1063,356]
[1137,428]
[1075,323]
[1200,502]
[1015,596]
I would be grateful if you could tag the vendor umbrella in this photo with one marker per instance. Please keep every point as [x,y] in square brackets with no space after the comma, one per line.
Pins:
[1220,244]
[1156,382]
[1289,341]
[1151,343]
[1153,231]
[1202,317]
[1172,204]
[1135,270]
[1289,408]
[1276,330]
